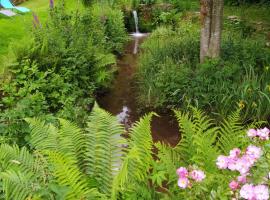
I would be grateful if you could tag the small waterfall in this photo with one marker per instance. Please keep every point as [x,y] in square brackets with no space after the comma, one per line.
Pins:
[135,15]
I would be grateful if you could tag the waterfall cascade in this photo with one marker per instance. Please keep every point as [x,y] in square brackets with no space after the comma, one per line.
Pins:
[135,16]
[136,21]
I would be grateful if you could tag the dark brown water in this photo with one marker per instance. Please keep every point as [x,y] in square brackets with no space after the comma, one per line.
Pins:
[121,99]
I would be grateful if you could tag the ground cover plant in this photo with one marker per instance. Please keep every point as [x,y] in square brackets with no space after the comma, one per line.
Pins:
[62,161]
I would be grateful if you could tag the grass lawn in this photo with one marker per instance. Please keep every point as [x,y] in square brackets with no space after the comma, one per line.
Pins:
[17,27]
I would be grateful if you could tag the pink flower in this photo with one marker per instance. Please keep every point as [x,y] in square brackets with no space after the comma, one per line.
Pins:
[242,179]
[247,192]
[183,182]
[261,192]
[197,175]
[263,133]
[251,133]
[254,152]
[222,162]
[234,185]
[232,164]
[234,153]
[243,166]
[182,172]
[250,160]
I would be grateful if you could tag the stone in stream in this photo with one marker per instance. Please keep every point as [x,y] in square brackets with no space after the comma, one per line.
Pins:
[123,117]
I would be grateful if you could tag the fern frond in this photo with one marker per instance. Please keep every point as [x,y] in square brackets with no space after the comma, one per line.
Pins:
[12,157]
[198,138]
[42,136]
[68,174]
[137,163]
[170,157]
[72,142]
[104,148]
[232,133]
[104,60]
[18,185]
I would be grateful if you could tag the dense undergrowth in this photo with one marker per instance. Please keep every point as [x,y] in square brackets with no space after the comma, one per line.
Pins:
[171,76]
[53,80]
[62,161]
[59,71]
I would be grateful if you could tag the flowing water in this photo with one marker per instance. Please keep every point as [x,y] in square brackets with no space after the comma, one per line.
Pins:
[121,99]
[136,21]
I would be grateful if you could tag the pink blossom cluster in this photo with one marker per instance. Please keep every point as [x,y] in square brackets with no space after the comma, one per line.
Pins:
[242,162]
[254,192]
[185,177]
[262,134]
[237,161]
[250,191]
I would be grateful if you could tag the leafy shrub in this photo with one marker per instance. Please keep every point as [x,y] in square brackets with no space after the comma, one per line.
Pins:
[108,26]
[170,75]
[59,71]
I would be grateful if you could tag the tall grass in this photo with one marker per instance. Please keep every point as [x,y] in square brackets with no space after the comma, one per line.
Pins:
[170,75]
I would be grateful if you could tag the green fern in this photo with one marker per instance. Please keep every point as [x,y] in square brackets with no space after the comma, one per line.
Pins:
[22,173]
[72,142]
[104,148]
[42,136]
[138,161]
[68,174]
[17,185]
[198,138]
[98,163]
[232,133]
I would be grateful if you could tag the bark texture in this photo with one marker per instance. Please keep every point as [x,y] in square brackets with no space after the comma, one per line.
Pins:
[211,28]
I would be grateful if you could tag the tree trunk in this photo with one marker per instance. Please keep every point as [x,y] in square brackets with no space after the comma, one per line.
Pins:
[211,28]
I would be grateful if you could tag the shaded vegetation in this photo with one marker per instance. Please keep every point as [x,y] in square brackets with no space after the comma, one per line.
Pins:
[170,75]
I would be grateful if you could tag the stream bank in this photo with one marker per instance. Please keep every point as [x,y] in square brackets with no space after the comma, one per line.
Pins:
[121,99]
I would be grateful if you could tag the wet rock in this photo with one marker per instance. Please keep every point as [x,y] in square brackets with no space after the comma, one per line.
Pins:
[234,18]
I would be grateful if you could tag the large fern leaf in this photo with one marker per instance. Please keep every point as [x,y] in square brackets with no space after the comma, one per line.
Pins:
[232,133]
[42,136]
[104,148]
[17,185]
[198,138]
[72,142]
[137,162]
[68,174]
[22,172]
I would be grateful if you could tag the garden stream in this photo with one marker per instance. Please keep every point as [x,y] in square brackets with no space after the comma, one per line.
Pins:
[121,99]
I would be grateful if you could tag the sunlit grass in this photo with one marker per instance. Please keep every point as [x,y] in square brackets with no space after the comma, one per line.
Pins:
[18,27]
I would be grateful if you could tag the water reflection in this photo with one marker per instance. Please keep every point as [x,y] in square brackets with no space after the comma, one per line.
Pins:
[136,44]
[121,100]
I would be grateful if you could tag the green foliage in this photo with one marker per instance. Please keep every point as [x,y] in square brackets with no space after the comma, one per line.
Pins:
[170,74]
[104,148]
[60,70]
[138,160]
[108,26]
[61,161]
[231,133]
[87,2]
[58,163]
[240,2]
